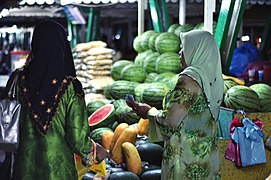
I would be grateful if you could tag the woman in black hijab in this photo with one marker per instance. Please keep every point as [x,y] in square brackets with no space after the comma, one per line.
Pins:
[53,120]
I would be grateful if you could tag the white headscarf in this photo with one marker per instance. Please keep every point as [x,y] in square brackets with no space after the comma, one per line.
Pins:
[203,61]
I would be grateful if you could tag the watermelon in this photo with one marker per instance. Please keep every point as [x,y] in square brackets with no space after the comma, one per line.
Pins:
[168,62]
[264,93]
[117,67]
[124,113]
[150,77]
[152,41]
[106,92]
[93,105]
[96,134]
[140,58]
[102,117]
[168,78]
[150,62]
[139,91]
[242,98]
[119,89]
[201,26]
[134,73]
[145,39]
[228,84]
[182,29]
[136,44]
[152,93]
[167,42]
[173,27]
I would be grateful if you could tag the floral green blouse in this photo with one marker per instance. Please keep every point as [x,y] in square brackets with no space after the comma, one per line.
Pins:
[51,156]
[189,133]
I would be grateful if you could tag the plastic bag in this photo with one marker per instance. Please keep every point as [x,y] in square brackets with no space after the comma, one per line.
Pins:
[250,139]
[242,56]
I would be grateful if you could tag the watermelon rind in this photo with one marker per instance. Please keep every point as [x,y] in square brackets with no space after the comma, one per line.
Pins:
[167,42]
[104,120]
[93,105]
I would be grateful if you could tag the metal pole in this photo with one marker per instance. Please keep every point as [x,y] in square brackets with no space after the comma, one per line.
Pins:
[140,28]
[182,12]
[209,8]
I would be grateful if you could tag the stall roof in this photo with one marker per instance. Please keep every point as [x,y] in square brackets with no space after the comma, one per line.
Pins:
[49,2]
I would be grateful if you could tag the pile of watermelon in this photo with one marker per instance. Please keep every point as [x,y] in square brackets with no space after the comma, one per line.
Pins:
[254,98]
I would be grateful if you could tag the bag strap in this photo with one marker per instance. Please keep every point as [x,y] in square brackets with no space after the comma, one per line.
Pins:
[12,91]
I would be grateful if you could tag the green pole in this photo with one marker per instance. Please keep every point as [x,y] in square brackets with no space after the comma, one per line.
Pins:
[165,15]
[155,16]
[70,32]
[90,24]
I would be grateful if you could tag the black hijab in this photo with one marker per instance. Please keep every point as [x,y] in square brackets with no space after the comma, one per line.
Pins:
[45,79]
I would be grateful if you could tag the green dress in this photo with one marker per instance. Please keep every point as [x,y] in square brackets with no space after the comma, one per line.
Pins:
[51,156]
[189,133]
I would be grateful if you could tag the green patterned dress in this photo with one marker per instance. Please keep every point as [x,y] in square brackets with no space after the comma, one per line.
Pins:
[189,131]
[51,156]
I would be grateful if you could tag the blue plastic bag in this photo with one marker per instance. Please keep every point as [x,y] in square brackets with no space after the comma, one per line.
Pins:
[242,56]
[250,139]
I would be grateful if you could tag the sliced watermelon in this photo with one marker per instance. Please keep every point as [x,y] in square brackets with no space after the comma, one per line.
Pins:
[102,117]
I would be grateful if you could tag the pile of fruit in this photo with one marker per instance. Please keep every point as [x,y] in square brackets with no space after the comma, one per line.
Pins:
[123,134]
[254,98]
[93,63]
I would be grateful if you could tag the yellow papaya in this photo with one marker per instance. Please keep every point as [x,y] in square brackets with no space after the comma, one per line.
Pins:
[119,129]
[237,80]
[143,127]
[107,137]
[128,135]
[132,158]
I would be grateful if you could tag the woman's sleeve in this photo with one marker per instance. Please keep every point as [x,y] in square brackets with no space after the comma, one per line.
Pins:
[77,129]
[175,108]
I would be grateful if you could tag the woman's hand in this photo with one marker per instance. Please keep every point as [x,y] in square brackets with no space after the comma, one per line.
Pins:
[140,109]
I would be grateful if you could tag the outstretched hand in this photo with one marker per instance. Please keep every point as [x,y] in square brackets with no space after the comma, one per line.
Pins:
[140,109]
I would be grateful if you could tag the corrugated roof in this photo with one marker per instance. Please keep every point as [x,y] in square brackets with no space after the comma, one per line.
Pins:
[49,2]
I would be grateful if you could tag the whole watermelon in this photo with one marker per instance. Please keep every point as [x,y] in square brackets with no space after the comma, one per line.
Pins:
[140,58]
[119,89]
[137,44]
[173,27]
[183,28]
[134,73]
[167,42]
[242,98]
[145,39]
[228,84]
[117,67]
[150,62]
[264,93]
[150,77]
[168,62]
[152,41]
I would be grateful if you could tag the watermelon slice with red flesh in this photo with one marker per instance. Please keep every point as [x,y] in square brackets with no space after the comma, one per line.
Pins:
[102,117]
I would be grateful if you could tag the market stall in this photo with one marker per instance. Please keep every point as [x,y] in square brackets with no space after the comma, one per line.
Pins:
[149,76]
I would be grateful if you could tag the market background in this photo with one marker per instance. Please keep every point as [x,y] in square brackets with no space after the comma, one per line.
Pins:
[111,38]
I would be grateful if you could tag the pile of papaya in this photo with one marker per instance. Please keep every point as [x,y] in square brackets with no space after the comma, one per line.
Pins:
[131,155]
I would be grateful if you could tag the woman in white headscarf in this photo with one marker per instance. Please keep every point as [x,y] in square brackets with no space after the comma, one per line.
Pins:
[188,121]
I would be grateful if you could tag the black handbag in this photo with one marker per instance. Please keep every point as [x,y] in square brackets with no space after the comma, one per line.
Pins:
[9,119]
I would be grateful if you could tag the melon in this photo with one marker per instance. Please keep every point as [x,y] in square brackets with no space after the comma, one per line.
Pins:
[93,105]
[264,93]
[102,117]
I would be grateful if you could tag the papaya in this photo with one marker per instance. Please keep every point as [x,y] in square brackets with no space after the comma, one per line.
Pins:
[239,81]
[119,129]
[143,127]
[128,135]
[107,137]
[132,158]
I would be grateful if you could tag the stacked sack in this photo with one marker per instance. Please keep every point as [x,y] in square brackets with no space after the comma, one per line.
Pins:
[93,63]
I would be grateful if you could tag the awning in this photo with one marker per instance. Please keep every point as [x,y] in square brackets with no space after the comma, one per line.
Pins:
[63,2]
